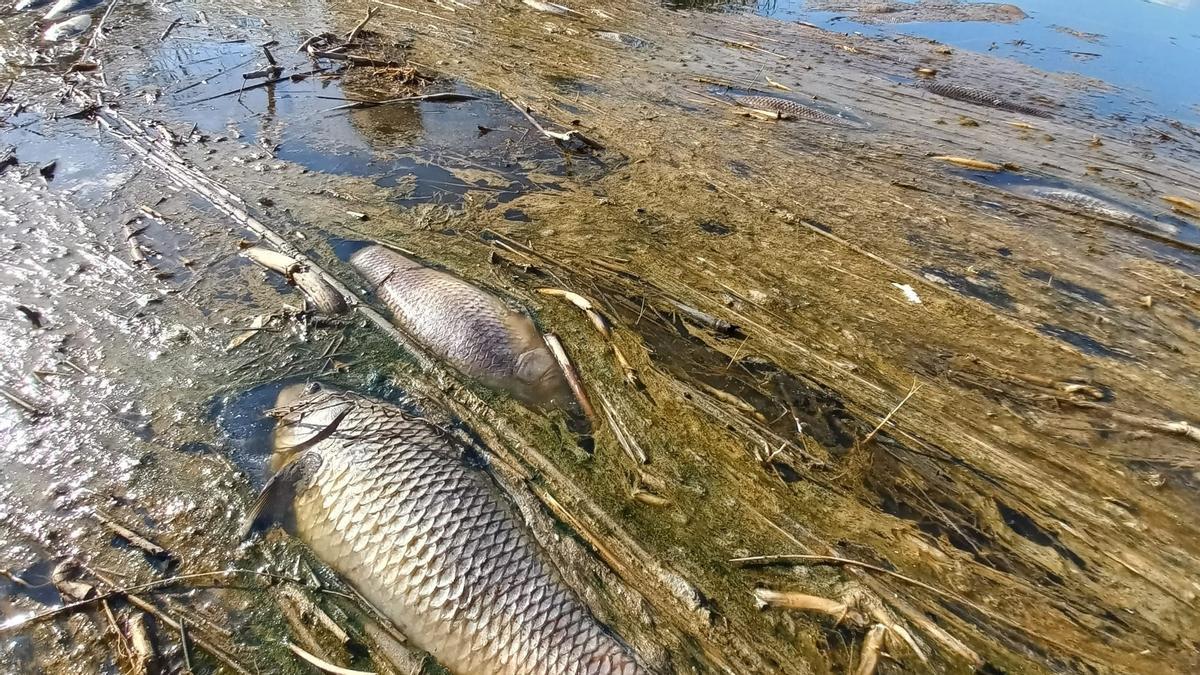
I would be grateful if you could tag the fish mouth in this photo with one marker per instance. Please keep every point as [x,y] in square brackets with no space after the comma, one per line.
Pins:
[293,392]
[307,414]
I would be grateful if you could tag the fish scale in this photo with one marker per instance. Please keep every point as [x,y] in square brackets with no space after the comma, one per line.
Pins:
[472,329]
[449,561]
[983,98]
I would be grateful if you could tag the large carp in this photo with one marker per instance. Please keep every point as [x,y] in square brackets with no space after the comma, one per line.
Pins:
[472,329]
[385,499]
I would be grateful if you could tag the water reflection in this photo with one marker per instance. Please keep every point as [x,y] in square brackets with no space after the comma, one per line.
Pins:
[1177,4]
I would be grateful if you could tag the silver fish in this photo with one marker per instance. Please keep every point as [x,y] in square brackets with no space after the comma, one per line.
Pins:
[385,499]
[1094,206]
[472,329]
[65,7]
[65,30]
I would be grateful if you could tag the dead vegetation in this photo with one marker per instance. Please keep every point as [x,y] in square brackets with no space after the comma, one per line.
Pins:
[768,402]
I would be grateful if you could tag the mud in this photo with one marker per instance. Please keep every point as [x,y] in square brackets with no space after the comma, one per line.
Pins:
[1055,529]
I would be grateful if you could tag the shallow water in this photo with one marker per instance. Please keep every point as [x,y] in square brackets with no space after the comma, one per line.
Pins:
[986,482]
[1147,49]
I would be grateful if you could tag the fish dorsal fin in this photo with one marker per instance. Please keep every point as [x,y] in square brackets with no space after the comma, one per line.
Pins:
[278,494]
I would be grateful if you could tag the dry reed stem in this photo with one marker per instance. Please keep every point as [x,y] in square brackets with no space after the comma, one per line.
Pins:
[325,665]
[915,387]
[872,644]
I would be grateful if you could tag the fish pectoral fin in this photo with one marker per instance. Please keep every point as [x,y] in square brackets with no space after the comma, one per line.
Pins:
[277,496]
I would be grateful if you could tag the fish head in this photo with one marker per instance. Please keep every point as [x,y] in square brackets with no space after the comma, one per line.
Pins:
[540,381]
[307,413]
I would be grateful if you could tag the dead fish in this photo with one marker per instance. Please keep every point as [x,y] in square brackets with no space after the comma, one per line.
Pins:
[22,5]
[983,98]
[430,540]
[323,297]
[65,7]
[790,108]
[65,30]
[472,329]
[1095,206]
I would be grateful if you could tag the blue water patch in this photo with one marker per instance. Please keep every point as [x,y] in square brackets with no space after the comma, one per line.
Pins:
[1150,49]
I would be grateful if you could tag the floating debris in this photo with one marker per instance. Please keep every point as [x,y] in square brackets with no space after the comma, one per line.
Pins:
[909,293]
[968,163]
[597,319]
[320,293]
[1182,205]
[65,7]
[621,39]
[34,316]
[549,7]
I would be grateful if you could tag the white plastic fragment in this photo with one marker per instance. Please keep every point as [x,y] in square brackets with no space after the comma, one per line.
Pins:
[909,293]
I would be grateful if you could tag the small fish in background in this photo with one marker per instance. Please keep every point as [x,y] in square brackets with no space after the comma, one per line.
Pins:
[22,5]
[475,331]
[428,538]
[66,7]
[65,30]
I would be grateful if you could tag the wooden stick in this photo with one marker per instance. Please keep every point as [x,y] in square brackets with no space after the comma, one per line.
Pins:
[131,536]
[362,24]
[183,646]
[564,362]
[766,597]
[19,401]
[627,443]
[325,665]
[872,645]
[556,136]
[355,59]
[443,97]
[20,623]
[170,28]
[1180,428]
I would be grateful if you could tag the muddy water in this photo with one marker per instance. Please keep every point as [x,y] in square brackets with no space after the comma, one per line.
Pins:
[753,271]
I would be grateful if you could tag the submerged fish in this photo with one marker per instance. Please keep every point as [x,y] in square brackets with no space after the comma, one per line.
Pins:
[469,327]
[64,30]
[1094,206]
[431,541]
[790,108]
